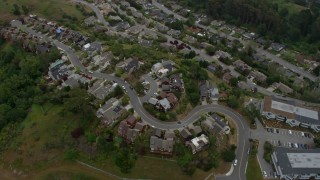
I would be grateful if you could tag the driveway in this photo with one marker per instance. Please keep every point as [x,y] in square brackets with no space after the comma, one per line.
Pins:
[153,88]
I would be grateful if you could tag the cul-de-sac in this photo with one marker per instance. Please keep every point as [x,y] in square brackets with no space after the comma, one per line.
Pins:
[160,89]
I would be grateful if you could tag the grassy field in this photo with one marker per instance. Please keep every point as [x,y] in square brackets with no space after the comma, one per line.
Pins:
[42,140]
[38,153]
[253,169]
[51,9]
[291,6]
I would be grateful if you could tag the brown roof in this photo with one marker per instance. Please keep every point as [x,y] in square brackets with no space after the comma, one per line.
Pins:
[172,98]
[131,120]
[162,95]
[123,129]
[267,108]
[227,76]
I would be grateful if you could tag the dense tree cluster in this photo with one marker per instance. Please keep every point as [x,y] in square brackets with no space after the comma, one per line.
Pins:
[20,81]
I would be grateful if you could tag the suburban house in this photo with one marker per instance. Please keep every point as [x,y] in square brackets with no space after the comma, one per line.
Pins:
[282,87]
[207,90]
[129,65]
[243,85]
[212,68]
[242,66]
[258,76]
[250,35]
[219,124]
[277,47]
[197,144]
[93,47]
[222,55]
[130,129]
[174,33]
[110,111]
[163,68]
[100,90]
[227,77]
[162,143]
[90,21]
[186,134]
[176,82]
[163,105]
[58,70]
[161,146]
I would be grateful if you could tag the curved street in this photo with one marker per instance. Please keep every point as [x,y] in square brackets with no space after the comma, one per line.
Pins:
[241,126]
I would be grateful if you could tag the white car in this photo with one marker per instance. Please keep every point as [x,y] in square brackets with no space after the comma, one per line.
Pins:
[264,174]
[290,132]
[91,72]
[302,134]
[235,162]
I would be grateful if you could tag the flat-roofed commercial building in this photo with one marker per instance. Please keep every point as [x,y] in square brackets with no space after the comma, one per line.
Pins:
[291,112]
[296,164]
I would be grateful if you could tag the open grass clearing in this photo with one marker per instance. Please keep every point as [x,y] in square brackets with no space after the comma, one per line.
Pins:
[51,9]
[253,169]
[42,141]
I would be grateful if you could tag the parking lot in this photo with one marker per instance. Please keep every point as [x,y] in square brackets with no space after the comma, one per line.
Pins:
[279,137]
[290,138]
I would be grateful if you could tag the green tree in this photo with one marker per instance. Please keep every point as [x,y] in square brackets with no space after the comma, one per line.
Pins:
[316,142]
[210,50]
[233,102]
[125,159]
[234,82]
[125,100]
[16,10]
[25,10]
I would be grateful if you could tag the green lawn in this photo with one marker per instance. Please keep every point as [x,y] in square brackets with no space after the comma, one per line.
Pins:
[43,139]
[291,6]
[253,169]
[51,9]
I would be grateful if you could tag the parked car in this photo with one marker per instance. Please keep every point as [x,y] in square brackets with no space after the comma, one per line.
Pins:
[290,132]
[264,174]
[296,145]
[277,130]
[302,134]
[235,162]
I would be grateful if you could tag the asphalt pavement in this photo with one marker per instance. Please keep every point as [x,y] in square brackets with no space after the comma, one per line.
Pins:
[193,116]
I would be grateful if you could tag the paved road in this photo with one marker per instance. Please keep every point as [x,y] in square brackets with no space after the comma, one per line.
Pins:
[153,88]
[260,52]
[286,64]
[96,10]
[242,142]
[283,136]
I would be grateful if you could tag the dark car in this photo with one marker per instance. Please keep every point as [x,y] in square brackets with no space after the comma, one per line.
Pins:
[301,145]
[279,143]
[308,135]
[268,129]
[305,146]
[277,130]
[272,130]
